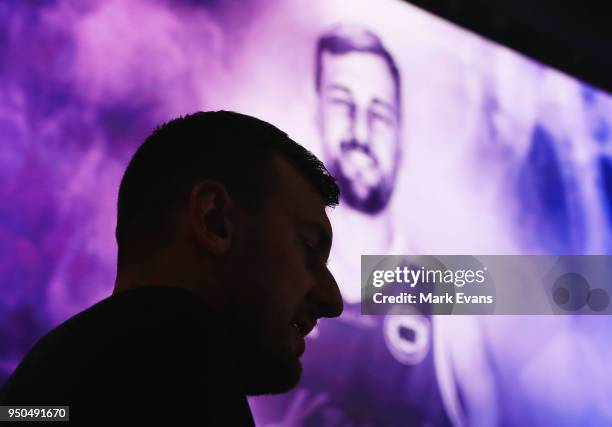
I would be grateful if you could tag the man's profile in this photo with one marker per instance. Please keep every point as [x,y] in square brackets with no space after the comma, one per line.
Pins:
[223,241]
[387,370]
[384,363]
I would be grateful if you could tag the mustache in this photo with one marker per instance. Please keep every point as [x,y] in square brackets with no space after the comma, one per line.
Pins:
[353,145]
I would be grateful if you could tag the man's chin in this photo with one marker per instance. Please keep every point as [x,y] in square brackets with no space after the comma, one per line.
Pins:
[370,198]
[273,377]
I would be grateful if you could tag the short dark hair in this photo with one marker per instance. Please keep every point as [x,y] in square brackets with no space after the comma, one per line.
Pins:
[345,38]
[229,147]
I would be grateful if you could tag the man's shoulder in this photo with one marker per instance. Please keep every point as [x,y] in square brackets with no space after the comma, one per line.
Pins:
[122,338]
[159,312]
[150,349]
[141,309]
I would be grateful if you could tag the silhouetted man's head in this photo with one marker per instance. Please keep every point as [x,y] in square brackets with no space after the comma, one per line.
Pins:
[231,208]
[359,115]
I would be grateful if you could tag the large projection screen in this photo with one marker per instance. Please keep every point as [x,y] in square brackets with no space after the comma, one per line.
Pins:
[443,143]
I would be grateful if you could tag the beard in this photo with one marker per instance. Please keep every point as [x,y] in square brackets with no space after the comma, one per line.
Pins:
[269,375]
[266,363]
[376,198]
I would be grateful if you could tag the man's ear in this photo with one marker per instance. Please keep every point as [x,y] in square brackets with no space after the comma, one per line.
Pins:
[210,210]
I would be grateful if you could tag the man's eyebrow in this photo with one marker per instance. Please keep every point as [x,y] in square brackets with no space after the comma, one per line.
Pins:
[384,104]
[337,87]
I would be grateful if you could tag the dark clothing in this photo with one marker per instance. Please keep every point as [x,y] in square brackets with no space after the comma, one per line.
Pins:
[149,355]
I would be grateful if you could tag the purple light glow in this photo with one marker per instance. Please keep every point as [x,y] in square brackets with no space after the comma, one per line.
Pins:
[498,155]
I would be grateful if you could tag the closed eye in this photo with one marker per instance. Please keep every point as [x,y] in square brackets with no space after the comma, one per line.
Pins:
[316,241]
[311,248]
[313,253]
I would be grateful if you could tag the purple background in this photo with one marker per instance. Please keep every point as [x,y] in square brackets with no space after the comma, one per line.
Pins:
[501,156]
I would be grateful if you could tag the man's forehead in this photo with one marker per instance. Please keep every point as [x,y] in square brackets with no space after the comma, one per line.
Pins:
[297,194]
[356,70]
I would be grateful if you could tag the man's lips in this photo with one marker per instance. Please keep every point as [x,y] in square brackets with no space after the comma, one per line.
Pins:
[304,326]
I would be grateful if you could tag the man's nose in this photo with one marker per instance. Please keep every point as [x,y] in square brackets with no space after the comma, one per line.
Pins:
[328,297]
[360,128]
